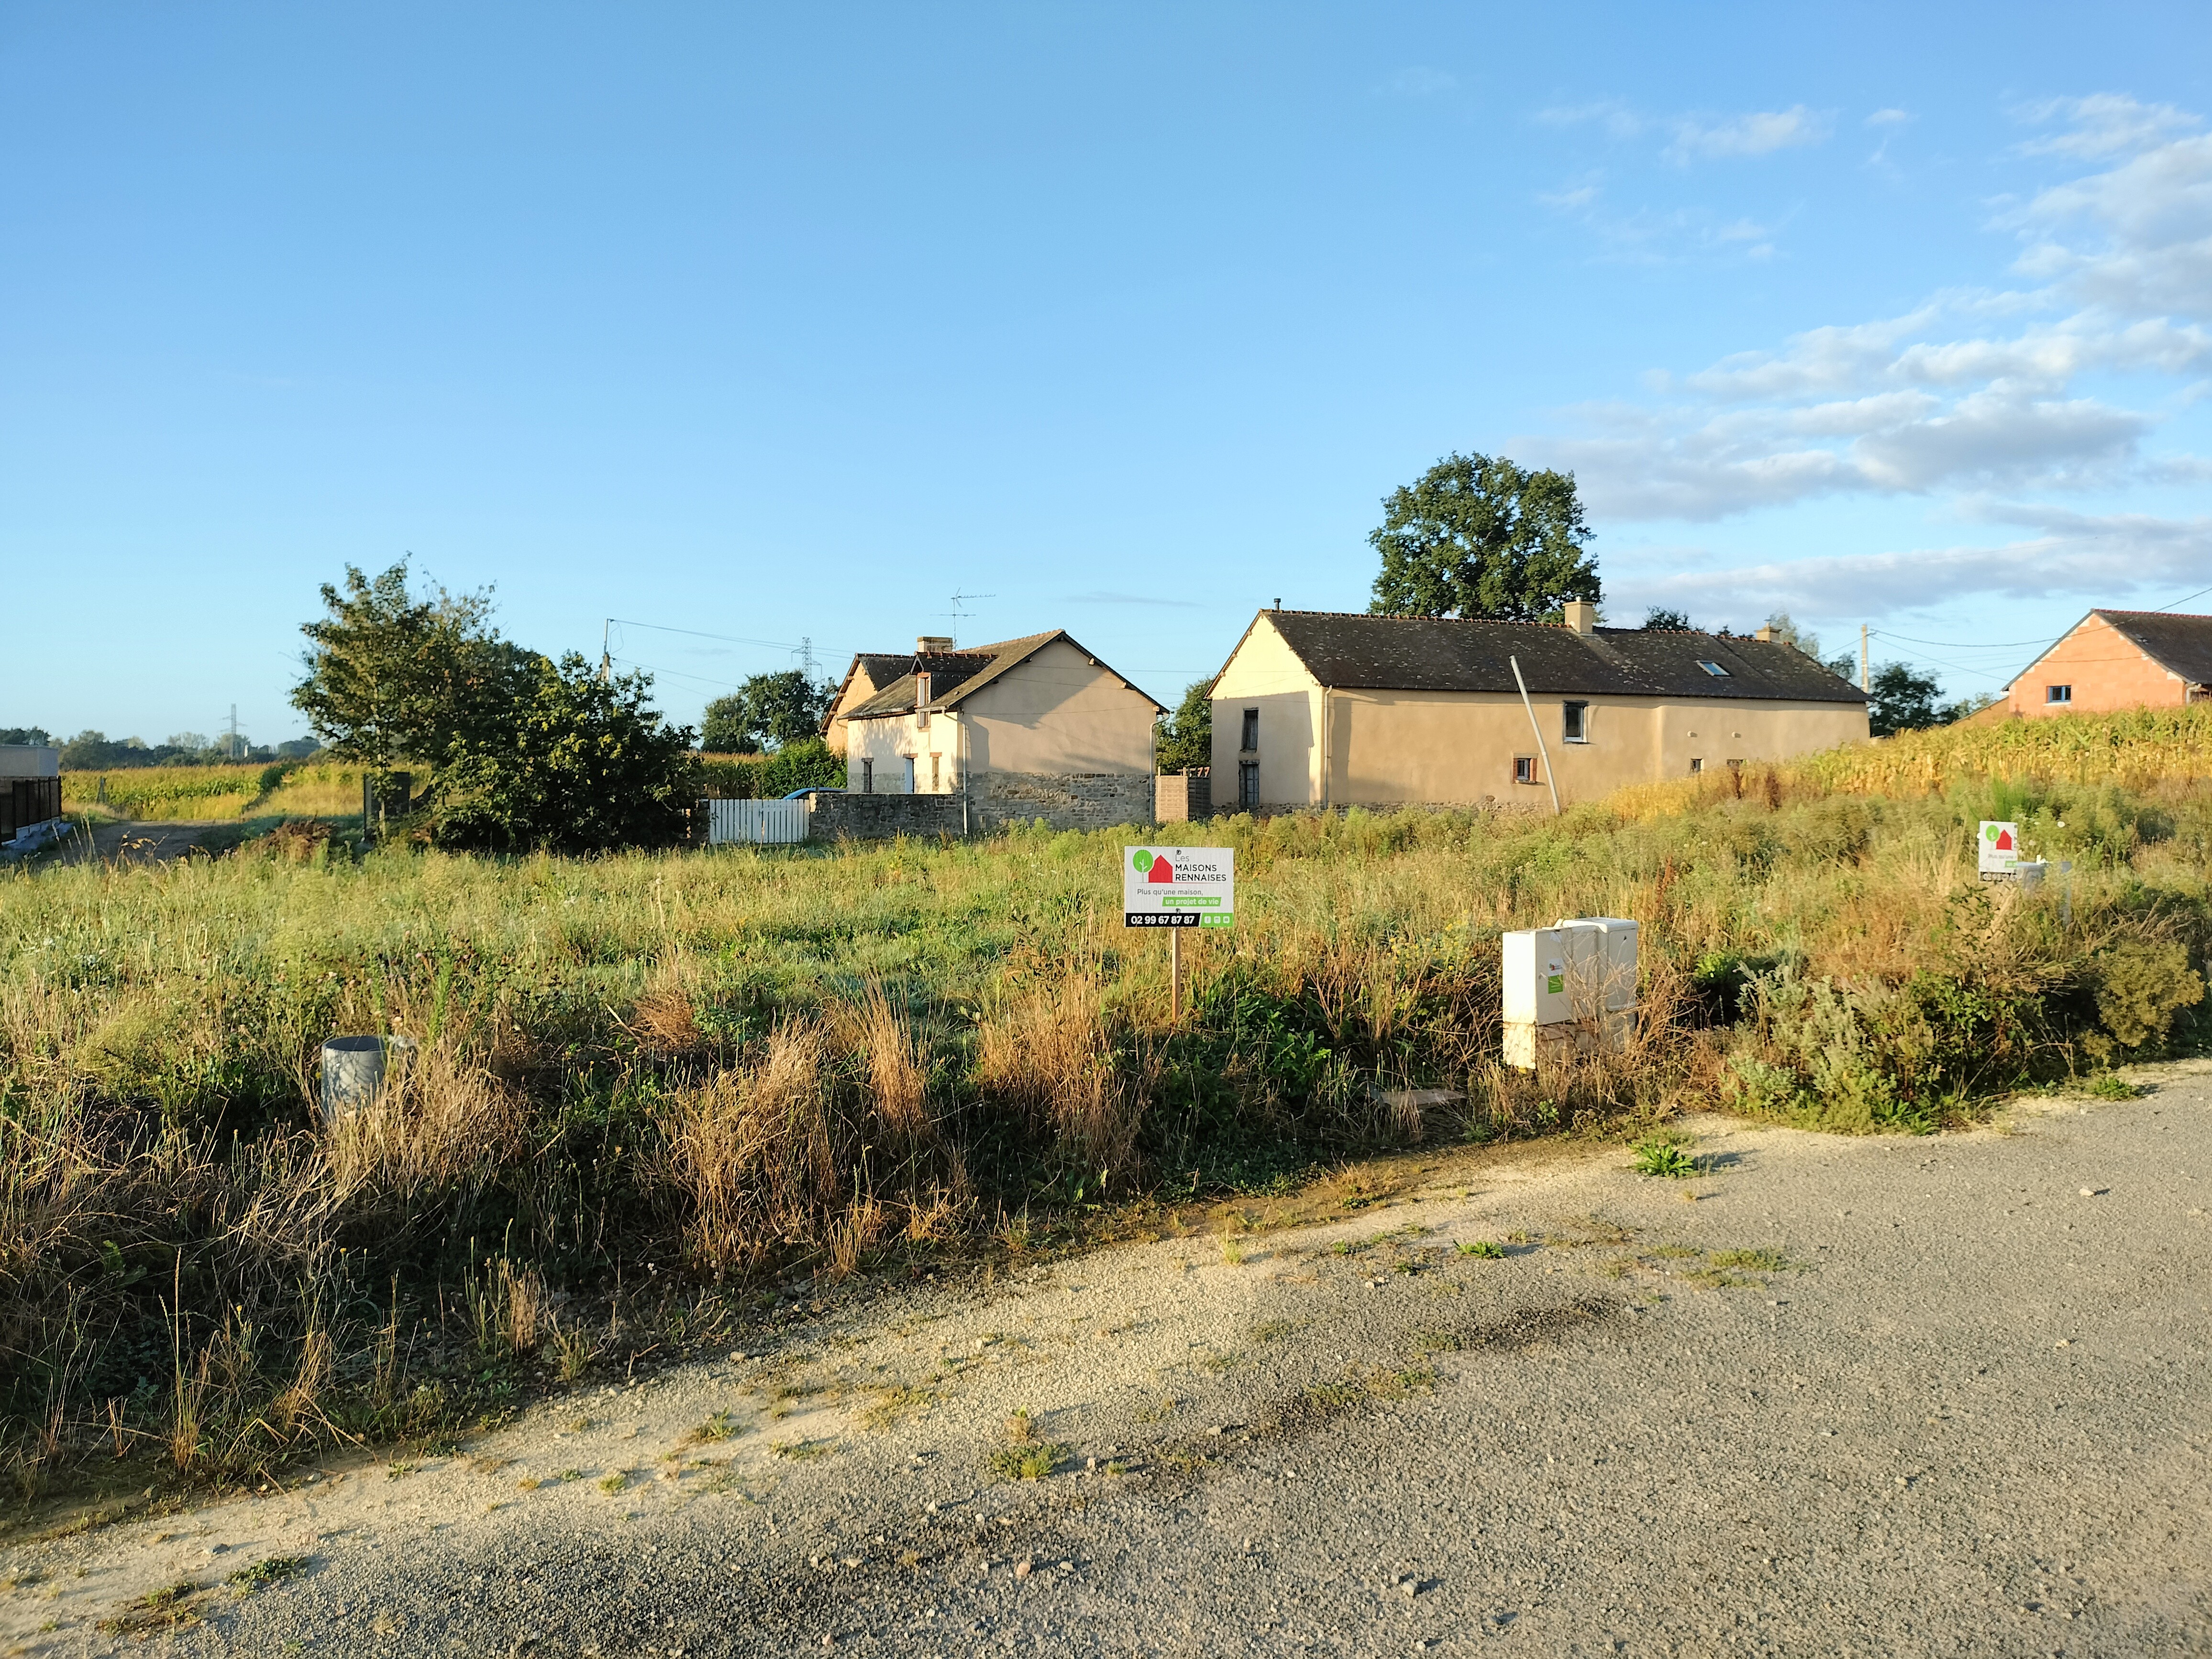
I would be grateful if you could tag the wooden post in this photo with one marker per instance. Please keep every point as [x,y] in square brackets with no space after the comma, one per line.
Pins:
[1174,974]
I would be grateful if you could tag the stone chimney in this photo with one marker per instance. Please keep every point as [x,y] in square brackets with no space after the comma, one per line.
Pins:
[1581,617]
[1766,633]
[932,645]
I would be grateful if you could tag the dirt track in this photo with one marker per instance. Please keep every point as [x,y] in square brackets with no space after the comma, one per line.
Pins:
[1963,1405]
[152,842]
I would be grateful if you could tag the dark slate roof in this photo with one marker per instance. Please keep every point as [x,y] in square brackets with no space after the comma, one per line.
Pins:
[880,666]
[954,675]
[1352,650]
[2181,645]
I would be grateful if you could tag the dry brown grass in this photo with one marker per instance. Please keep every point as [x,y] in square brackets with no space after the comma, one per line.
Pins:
[1047,1050]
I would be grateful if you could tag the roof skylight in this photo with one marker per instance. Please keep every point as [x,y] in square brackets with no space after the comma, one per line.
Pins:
[1714,669]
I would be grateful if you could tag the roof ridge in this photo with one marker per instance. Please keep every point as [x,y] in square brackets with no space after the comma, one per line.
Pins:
[2178,615]
[1382,616]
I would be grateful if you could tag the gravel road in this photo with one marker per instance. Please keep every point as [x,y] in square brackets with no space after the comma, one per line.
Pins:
[1860,1396]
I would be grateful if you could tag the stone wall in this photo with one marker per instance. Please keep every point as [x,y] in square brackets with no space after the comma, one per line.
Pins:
[1184,797]
[878,817]
[1085,800]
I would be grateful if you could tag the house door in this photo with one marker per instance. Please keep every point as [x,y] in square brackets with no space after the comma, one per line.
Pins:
[909,775]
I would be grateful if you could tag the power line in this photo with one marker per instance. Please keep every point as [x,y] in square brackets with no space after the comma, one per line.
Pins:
[2186,599]
[697,634]
[1964,645]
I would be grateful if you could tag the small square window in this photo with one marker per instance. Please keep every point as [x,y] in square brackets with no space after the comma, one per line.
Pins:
[2058,694]
[1524,769]
[1250,741]
[1696,764]
[1714,669]
[1576,721]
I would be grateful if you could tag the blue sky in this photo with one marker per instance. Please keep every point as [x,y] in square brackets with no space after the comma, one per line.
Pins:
[791,322]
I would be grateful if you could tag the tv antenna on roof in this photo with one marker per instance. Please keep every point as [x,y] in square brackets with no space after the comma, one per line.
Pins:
[956,614]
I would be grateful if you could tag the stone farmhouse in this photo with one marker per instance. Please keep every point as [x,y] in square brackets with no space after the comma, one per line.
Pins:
[1318,708]
[1033,728]
[2115,660]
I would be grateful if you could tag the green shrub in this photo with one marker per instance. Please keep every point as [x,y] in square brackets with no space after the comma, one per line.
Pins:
[2141,985]
[585,766]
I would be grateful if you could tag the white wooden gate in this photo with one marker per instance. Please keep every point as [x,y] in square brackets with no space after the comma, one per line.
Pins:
[757,820]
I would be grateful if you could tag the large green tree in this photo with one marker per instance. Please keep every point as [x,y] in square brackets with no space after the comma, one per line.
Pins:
[1185,737]
[1478,536]
[394,679]
[517,750]
[766,712]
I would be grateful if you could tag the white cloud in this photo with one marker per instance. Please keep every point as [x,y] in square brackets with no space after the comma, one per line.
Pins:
[2097,559]
[2150,220]
[1888,117]
[1647,237]
[2105,123]
[1617,118]
[1699,137]
[1972,390]
[1760,133]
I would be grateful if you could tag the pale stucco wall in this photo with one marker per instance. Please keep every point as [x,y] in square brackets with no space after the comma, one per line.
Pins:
[2108,671]
[1057,714]
[1387,748]
[1266,674]
[1436,747]
[857,691]
[890,743]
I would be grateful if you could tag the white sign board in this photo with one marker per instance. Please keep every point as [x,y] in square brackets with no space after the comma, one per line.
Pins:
[2000,847]
[1179,886]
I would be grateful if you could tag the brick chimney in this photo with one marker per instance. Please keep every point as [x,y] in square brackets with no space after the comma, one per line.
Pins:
[1581,618]
[932,645]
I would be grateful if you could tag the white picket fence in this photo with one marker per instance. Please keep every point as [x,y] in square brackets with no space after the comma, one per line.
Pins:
[756,820]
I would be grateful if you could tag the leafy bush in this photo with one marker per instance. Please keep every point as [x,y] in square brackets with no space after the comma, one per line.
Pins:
[798,765]
[585,765]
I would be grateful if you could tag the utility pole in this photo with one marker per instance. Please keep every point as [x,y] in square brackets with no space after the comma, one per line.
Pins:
[231,747]
[1866,682]
[806,657]
[606,663]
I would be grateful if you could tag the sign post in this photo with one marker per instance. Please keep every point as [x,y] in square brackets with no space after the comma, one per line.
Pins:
[1175,888]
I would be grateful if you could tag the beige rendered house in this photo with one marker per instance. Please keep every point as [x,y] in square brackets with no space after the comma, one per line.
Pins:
[1033,728]
[2115,660]
[872,671]
[1318,708]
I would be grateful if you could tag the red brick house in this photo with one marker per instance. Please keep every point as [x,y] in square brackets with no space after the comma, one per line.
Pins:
[2116,660]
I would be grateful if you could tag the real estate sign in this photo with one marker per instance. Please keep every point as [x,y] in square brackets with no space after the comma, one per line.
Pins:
[1179,886]
[2000,847]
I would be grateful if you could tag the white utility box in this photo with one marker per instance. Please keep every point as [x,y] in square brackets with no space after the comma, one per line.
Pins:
[1572,985]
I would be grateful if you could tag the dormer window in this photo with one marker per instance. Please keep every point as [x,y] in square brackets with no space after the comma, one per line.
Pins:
[1714,669]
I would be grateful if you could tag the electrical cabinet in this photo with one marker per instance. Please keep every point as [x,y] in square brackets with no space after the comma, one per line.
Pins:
[1571,985]
[1536,978]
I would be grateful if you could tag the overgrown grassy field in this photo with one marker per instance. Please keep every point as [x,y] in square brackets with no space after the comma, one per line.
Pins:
[648,1083]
